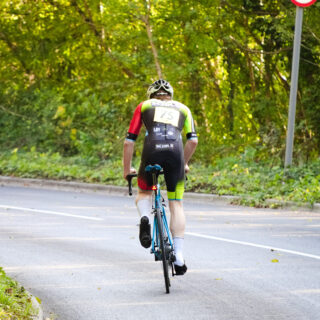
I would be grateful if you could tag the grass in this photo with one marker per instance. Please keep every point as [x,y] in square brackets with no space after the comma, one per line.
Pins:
[254,182]
[15,302]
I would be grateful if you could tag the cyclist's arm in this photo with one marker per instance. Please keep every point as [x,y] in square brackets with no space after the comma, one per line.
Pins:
[192,139]
[128,146]
[189,149]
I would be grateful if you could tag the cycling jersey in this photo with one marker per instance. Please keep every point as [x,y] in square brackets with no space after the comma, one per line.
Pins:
[164,121]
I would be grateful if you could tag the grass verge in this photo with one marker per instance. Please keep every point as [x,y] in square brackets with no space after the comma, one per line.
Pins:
[15,302]
[254,182]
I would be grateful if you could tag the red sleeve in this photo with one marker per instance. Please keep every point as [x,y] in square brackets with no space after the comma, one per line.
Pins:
[135,124]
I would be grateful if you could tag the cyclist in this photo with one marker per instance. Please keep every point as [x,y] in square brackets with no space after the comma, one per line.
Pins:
[164,120]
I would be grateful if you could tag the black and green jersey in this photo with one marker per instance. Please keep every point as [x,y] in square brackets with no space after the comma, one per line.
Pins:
[164,122]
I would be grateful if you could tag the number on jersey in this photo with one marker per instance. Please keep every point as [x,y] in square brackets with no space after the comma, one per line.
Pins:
[166,115]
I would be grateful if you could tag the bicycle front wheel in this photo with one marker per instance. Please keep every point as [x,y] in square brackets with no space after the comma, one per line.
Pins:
[163,249]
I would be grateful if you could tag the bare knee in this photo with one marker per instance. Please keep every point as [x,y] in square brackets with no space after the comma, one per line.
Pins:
[176,207]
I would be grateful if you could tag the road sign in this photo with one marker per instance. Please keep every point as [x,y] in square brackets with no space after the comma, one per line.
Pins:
[303,3]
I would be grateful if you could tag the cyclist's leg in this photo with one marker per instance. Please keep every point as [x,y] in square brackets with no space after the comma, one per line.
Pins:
[177,218]
[143,199]
[143,203]
[174,176]
[175,187]
[177,227]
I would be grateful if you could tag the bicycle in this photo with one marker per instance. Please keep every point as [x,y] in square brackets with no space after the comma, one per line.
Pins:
[161,243]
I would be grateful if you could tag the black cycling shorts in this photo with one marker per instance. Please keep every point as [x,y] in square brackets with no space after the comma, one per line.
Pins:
[172,162]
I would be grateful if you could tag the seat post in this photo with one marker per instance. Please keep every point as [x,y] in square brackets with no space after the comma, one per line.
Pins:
[154,178]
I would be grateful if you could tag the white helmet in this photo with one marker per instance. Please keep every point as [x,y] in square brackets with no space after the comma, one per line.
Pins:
[160,84]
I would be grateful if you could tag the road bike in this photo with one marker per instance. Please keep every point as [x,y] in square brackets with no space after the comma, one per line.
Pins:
[161,244]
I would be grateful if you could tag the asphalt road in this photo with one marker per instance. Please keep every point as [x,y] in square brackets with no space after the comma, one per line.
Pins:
[80,254]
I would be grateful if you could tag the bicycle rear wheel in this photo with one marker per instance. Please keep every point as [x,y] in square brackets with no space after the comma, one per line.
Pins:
[163,249]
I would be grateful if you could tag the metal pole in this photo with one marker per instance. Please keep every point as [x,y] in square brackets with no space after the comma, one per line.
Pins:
[294,85]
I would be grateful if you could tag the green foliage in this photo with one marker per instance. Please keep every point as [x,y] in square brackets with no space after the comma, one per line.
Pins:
[254,181]
[15,303]
[34,164]
[49,121]
[72,73]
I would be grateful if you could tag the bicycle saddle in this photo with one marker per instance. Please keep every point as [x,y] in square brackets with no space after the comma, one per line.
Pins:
[153,168]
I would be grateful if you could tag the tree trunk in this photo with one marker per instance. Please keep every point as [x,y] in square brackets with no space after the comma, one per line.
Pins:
[153,47]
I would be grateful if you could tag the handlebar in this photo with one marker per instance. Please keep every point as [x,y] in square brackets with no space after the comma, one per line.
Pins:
[129,178]
[152,169]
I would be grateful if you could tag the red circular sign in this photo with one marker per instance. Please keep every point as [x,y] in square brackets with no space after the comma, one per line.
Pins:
[303,3]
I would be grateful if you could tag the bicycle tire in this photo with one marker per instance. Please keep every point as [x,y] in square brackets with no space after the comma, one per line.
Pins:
[163,252]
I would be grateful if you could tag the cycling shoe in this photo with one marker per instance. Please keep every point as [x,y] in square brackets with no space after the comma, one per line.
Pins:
[145,232]
[180,270]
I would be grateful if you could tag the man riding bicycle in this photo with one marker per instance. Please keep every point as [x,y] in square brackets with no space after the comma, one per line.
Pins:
[164,120]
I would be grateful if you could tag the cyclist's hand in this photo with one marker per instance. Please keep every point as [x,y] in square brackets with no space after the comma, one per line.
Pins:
[186,168]
[132,170]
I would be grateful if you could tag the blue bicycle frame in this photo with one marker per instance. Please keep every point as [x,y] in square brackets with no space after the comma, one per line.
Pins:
[155,233]
[161,244]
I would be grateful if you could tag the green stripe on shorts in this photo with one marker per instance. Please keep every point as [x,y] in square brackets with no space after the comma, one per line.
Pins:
[178,193]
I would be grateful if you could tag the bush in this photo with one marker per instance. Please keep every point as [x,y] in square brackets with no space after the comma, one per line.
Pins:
[253,181]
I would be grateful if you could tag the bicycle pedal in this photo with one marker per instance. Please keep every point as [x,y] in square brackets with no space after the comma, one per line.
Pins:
[157,256]
[172,257]
[172,269]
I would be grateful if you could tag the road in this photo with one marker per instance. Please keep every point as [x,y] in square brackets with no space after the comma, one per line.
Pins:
[80,254]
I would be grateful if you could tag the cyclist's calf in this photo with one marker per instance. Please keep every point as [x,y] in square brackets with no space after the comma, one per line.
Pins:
[143,202]
[177,219]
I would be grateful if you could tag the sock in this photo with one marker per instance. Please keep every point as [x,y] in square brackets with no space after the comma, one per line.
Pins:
[144,208]
[178,251]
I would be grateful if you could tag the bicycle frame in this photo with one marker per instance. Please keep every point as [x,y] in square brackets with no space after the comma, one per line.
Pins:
[158,205]
[161,243]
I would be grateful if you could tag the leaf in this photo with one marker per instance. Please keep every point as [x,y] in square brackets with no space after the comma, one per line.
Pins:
[39,300]
[274,260]
[61,110]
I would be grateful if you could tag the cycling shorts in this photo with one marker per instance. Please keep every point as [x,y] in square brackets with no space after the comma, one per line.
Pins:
[172,163]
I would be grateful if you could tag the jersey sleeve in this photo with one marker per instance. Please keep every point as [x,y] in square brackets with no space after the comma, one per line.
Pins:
[189,127]
[135,124]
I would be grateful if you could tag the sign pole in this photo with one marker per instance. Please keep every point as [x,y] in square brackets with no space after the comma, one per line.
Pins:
[294,86]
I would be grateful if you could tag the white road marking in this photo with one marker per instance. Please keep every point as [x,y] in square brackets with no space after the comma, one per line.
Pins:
[253,245]
[51,212]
